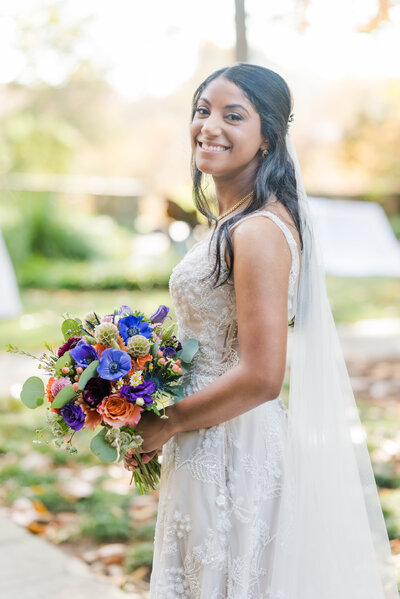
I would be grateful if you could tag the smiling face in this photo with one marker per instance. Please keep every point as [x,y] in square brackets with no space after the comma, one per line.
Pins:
[226,131]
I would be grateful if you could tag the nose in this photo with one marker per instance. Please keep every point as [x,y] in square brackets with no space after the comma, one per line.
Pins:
[211,126]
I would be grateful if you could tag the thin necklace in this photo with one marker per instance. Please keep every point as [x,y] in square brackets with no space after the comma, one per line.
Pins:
[239,203]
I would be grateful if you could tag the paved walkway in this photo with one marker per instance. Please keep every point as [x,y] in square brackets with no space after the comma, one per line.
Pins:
[31,568]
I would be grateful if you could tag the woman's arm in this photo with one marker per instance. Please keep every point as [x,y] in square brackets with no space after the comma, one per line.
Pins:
[261,277]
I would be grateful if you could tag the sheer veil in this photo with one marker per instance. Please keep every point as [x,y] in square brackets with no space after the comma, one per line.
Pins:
[332,541]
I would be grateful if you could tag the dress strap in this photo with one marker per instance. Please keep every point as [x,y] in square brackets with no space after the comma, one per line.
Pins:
[295,267]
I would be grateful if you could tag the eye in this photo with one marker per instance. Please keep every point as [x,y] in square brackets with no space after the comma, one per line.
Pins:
[201,111]
[233,116]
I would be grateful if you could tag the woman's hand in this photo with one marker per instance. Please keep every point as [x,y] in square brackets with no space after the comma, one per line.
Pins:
[155,431]
[130,463]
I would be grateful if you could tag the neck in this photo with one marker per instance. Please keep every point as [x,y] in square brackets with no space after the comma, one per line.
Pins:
[230,190]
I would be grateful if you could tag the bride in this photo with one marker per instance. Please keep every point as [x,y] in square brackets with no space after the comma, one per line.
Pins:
[258,501]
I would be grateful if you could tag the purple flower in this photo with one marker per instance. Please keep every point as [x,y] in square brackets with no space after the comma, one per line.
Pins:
[178,344]
[124,310]
[114,364]
[72,342]
[73,415]
[168,352]
[83,354]
[95,391]
[133,325]
[160,314]
[144,390]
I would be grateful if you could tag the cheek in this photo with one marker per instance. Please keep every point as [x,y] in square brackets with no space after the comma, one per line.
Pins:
[194,131]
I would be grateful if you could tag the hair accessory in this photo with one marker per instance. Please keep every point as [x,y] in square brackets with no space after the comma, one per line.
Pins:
[290,120]
[239,203]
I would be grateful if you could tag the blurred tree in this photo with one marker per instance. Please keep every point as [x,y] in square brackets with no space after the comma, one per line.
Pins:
[52,106]
[382,15]
[241,39]
[370,144]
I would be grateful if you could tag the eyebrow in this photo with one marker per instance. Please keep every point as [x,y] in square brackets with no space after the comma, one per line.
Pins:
[227,106]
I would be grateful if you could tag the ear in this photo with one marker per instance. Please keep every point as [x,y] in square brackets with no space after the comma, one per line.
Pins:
[264,145]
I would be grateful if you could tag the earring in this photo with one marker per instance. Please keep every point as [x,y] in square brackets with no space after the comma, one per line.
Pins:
[264,153]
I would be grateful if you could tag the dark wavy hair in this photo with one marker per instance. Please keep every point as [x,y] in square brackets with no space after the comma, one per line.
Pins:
[275,176]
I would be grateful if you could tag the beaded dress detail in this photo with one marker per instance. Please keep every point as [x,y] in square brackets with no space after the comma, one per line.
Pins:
[220,486]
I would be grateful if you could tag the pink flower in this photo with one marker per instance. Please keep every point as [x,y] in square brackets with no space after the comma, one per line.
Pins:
[59,384]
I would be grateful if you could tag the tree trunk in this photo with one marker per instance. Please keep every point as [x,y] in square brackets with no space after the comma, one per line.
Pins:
[241,41]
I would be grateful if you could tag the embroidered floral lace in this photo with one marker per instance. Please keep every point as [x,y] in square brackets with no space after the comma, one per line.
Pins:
[220,486]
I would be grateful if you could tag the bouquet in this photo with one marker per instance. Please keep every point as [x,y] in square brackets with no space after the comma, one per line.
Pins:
[109,371]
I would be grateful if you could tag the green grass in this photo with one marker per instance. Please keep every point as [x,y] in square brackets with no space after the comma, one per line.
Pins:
[365,297]
[44,309]
[351,299]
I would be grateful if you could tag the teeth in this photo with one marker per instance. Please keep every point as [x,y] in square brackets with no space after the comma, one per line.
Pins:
[213,148]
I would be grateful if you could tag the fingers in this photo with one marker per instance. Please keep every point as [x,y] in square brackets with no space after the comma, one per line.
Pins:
[130,463]
[146,457]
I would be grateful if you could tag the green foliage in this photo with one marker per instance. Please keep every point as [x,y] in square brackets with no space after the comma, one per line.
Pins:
[38,142]
[87,374]
[140,554]
[102,449]
[106,516]
[70,328]
[35,226]
[64,396]
[44,273]
[62,361]
[187,353]
[394,220]
[32,394]
[391,510]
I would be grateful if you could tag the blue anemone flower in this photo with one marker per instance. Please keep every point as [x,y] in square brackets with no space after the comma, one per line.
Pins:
[114,364]
[83,353]
[133,325]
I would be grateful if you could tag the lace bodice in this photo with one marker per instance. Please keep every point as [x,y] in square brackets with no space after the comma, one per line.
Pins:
[209,314]
[220,486]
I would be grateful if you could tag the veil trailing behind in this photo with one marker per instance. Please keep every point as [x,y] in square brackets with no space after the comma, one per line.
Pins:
[332,541]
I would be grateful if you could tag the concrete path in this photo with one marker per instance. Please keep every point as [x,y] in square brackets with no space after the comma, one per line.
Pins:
[31,568]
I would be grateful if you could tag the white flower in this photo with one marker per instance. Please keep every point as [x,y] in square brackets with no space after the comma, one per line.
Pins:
[136,378]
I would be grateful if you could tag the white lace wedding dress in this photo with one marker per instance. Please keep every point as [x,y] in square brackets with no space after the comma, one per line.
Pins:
[220,486]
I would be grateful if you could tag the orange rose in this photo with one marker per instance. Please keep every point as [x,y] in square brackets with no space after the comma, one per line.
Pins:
[49,394]
[140,362]
[118,411]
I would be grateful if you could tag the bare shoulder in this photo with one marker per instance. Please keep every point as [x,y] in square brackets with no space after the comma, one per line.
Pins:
[258,242]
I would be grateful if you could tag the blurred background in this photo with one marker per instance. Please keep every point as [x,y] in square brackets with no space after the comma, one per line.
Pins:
[96,209]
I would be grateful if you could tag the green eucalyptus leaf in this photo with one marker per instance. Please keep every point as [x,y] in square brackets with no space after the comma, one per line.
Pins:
[87,374]
[32,394]
[102,449]
[70,328]
[64,396]
[65,360]
[154,349]
[189,350]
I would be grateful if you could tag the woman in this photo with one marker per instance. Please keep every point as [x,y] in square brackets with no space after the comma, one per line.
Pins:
[253,503]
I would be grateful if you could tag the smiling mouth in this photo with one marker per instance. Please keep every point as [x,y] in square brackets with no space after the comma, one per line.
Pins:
[212,147]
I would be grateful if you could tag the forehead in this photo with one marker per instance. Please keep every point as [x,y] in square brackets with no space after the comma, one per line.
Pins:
[223,92]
